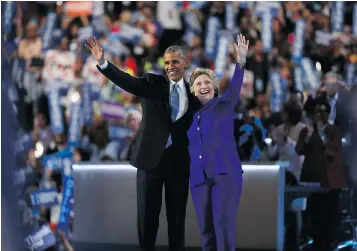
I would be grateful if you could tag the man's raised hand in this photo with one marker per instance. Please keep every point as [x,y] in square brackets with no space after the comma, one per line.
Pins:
[96,49]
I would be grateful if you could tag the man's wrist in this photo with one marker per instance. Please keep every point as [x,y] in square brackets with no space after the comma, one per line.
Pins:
[103,65]
[101,62]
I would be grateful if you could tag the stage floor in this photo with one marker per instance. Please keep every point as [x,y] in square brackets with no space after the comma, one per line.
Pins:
[78,246]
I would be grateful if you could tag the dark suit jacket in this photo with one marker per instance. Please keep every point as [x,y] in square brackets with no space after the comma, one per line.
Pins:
[323,161]
[156,125]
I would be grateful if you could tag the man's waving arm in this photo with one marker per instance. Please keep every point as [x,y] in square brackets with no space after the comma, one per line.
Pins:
[141,87]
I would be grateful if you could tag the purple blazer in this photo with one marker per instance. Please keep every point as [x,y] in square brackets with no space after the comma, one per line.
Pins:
[212,145]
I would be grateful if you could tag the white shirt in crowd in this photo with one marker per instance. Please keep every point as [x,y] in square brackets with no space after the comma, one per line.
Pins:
[168,15]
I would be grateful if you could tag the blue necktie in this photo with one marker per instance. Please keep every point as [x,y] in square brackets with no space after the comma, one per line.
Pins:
[175,106]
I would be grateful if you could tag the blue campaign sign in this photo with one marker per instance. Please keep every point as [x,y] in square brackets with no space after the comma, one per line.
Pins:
[8,9]
[41,239]
[44,197]
[56,117]
[119,132]
[54,160]
[47,38]
[67,200]
[87,103]
[74,131]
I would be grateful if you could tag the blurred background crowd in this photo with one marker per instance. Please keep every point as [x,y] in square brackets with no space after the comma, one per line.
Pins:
[300,72]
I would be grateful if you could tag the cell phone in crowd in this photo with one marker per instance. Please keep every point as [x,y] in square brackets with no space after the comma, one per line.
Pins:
[37,62]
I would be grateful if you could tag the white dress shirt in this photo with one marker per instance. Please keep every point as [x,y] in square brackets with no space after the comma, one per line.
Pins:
[104,65]
[181,90]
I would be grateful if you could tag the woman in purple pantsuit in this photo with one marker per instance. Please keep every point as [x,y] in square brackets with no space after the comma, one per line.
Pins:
[216,170]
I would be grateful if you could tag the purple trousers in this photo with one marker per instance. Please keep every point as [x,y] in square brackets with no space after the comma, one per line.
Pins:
[216,203]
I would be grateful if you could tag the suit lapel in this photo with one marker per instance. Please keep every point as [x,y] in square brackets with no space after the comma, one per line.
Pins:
[167,101]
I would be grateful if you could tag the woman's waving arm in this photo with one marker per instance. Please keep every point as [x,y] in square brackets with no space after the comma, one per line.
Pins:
[233,90]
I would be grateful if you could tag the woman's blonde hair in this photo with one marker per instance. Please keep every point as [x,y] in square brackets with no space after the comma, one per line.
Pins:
[209,73]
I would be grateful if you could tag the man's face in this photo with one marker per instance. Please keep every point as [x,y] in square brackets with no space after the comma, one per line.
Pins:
[174,66]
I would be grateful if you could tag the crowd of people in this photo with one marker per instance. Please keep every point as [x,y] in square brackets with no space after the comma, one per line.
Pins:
[300,72]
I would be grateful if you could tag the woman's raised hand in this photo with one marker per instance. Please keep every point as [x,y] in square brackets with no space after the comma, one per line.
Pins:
[241,48]
[96,49]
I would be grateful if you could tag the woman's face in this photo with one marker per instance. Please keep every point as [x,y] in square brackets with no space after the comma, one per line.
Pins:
[203,88]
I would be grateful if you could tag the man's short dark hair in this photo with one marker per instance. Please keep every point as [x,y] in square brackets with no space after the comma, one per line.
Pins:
[177,48]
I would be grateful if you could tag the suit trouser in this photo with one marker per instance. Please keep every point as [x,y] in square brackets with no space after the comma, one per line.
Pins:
[325,216]
[149,200]
[216,203]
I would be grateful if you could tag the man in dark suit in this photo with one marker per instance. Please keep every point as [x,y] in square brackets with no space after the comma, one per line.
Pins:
[161,150]
[333,91]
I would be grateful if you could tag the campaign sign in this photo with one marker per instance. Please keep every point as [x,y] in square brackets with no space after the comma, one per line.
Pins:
[74,134]
[221,59]
[213,25]
[55,112]
[354,22]
[267,31]
[337,16]
[87,104]
[119,132]
[44,197]
[55,160]
[24,143]
[299,39]
[18,71]
[66,206]
[9,9]
[21,175]
[41,239]
[47,38]
[131,34]
[310,73]
[112,110]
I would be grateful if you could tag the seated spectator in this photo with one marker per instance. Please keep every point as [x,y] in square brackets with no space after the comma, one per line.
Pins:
[132,121]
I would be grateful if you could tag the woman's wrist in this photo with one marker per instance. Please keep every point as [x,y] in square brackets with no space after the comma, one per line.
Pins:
[241,61]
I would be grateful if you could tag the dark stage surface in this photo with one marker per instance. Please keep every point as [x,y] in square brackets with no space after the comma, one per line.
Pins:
[80,246]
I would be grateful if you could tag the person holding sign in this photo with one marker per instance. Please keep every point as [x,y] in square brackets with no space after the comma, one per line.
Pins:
[216,169]
[161,149]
